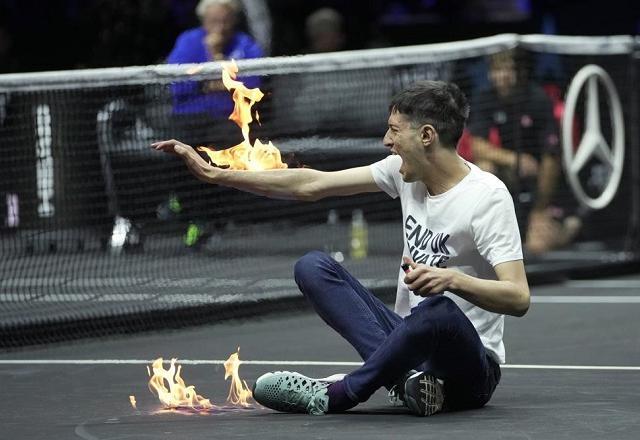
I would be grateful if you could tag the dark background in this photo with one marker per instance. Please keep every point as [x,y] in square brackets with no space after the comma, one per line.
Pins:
[67,34]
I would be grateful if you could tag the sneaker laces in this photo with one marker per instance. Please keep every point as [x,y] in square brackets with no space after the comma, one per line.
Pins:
[319,401]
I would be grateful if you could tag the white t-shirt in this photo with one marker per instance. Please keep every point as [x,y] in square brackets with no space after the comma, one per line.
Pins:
[472,227]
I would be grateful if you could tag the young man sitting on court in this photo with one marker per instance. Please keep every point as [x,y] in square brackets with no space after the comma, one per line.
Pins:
[441,348]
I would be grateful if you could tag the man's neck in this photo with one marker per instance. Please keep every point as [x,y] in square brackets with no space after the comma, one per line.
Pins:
[444,170]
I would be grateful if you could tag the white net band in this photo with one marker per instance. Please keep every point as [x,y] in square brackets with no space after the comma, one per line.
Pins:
[339,61]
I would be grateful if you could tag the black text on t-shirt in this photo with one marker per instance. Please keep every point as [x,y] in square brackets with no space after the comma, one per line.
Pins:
[425,246]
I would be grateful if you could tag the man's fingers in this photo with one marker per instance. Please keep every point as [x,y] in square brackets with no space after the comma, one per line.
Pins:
[415,272]
[417,281]
[424,284]
[409,261]
[411,277]
[163,143]
[160,145]
[430,289]
[170,146]
[194,162]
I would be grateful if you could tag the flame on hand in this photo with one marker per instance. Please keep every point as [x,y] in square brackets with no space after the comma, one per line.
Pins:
[244,156]
[239,392]
[177,395]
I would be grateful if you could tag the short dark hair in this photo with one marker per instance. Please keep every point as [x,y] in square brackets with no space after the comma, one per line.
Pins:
[439,103]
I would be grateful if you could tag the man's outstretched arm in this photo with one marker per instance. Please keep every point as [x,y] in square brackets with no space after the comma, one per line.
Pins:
[295,183]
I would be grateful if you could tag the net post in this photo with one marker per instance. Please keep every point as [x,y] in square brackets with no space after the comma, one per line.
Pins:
[632,241]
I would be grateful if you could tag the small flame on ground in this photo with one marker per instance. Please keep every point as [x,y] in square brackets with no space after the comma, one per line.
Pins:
[132,399]
[172,392]
[244,156]
[178,394]
[239,392]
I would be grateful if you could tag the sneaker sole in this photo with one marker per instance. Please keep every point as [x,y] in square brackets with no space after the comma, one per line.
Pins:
[431,395]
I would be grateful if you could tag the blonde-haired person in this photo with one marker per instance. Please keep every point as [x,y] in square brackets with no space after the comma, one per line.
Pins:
[217,38]
[219,19]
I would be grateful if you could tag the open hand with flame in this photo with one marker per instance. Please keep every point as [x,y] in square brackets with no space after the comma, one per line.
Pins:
[196,164]
[246,155]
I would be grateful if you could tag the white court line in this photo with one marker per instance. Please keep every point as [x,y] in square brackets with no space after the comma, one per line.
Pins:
[204,298]
[604,284]
[302,363]
[571,299]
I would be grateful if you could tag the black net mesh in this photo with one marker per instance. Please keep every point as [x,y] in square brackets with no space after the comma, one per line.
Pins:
[101,234]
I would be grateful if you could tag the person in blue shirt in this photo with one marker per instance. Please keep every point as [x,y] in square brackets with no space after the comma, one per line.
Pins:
[218,38]
[200,108]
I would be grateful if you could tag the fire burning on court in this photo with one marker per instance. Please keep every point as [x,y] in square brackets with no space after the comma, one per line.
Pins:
[239,392]
[171,389]
[175,395]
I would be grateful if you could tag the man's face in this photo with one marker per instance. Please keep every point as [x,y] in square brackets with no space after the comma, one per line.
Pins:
[404,139]
[221,20]
[503,76]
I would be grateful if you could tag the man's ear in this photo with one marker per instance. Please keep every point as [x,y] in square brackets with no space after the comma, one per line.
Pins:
[428,134]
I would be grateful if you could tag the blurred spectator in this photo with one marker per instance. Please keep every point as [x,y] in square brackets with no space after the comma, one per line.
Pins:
[324,30]
[359,17]
[216,39]
[514,134]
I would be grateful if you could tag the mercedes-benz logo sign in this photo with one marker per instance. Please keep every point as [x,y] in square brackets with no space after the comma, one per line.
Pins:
[593,143]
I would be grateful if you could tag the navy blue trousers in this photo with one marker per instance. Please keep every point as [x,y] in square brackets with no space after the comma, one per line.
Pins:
[436,337]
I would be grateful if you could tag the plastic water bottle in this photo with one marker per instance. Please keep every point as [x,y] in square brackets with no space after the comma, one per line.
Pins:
[332,239]
[12,219]
[359,235]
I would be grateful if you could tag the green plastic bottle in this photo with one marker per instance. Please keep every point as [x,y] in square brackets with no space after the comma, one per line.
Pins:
[359,235]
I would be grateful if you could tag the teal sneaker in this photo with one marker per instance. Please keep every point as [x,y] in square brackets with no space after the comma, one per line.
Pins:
[423,394]
[292,392]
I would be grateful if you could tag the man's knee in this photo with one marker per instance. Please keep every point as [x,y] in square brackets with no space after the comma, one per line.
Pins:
[310,266]
[431,315]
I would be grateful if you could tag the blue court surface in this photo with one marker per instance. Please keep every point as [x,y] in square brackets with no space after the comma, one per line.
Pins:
[573,372]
